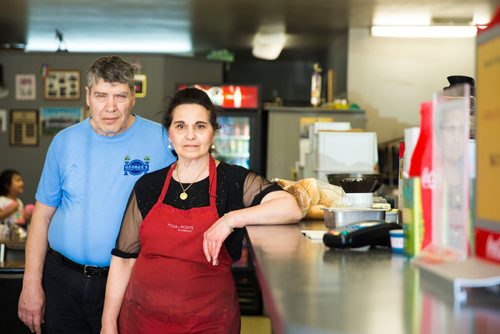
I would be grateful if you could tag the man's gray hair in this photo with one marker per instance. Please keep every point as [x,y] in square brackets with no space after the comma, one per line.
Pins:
[111,69]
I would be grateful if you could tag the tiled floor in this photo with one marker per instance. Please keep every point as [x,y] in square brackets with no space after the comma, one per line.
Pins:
[255,325]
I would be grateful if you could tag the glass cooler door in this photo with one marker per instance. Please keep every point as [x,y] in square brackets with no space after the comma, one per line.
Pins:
[232,143]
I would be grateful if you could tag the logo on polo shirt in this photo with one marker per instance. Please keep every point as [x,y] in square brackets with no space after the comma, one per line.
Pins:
[136,166]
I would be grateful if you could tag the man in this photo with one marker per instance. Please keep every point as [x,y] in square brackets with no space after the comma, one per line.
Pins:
[89,172]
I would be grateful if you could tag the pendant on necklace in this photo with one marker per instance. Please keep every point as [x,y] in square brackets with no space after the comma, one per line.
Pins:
[183,195]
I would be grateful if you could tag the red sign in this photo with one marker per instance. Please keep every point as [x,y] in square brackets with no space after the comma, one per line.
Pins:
[231,96]
[488,244]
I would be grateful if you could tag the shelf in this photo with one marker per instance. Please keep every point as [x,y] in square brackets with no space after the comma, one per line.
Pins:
[456,277]
[226,138]
[233,155]
[299,109]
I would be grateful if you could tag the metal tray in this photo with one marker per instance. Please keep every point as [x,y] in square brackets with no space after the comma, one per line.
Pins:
[337,217]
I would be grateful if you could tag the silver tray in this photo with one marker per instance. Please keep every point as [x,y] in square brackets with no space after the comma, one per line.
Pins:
[337,217]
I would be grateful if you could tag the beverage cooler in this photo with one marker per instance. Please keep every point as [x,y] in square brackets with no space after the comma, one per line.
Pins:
[239,140]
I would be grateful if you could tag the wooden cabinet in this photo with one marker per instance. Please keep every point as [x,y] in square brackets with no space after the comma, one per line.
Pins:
[284,132]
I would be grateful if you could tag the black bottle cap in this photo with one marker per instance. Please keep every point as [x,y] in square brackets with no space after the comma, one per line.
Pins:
[461,79]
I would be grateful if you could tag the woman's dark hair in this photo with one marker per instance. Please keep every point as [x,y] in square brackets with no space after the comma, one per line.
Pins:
[192,95]
[6,180]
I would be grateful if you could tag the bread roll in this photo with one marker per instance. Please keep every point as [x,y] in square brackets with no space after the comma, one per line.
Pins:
[301,196]
[283,183]
[315,212]
[329,194]
[311,185]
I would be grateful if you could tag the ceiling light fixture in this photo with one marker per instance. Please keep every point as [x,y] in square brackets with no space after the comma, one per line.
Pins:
[268,46]
[435,31]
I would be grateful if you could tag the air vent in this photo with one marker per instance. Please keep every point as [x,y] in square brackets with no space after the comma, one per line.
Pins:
[462,21]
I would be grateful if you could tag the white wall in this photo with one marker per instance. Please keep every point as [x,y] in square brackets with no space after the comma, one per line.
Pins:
[389,77]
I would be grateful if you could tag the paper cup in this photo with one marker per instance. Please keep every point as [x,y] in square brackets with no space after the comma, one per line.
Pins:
[397,244]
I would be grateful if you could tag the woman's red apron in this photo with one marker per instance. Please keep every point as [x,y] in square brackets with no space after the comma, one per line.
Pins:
[173,289]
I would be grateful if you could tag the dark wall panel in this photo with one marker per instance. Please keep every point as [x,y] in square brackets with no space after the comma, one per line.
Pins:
[288,77]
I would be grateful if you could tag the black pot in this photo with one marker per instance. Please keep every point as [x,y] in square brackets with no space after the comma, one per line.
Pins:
[356,182]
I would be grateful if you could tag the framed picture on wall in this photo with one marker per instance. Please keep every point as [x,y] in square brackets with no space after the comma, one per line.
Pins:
[23,128]
[25,87]
[62,85]
[140,85]
[54,119]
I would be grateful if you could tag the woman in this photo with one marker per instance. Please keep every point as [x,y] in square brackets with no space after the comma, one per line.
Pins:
[183,227]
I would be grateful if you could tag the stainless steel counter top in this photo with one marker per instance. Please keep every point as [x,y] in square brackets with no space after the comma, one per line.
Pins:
[308,288]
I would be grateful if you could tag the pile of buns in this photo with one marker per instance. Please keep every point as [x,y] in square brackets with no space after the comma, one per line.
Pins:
[312,195]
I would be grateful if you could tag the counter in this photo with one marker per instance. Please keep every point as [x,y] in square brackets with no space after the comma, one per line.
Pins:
[308,288]
[12,253]
[11,281]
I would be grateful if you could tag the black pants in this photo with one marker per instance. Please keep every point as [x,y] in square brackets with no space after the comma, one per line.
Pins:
[73,301]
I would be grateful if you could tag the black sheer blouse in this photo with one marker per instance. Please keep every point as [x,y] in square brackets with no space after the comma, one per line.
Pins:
[237,188]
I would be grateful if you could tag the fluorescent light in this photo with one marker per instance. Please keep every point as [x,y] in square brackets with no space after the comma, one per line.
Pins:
[424,31]
[173,44]
[414,17]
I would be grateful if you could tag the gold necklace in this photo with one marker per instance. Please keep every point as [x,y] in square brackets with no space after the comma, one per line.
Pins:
[184,194]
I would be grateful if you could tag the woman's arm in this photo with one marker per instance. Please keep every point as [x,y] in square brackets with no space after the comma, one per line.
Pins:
[118,277]
[277,207]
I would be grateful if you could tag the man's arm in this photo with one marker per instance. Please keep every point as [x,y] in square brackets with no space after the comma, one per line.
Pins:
[32,300]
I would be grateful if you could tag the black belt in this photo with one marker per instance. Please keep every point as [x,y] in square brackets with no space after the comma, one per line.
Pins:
[89,271]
